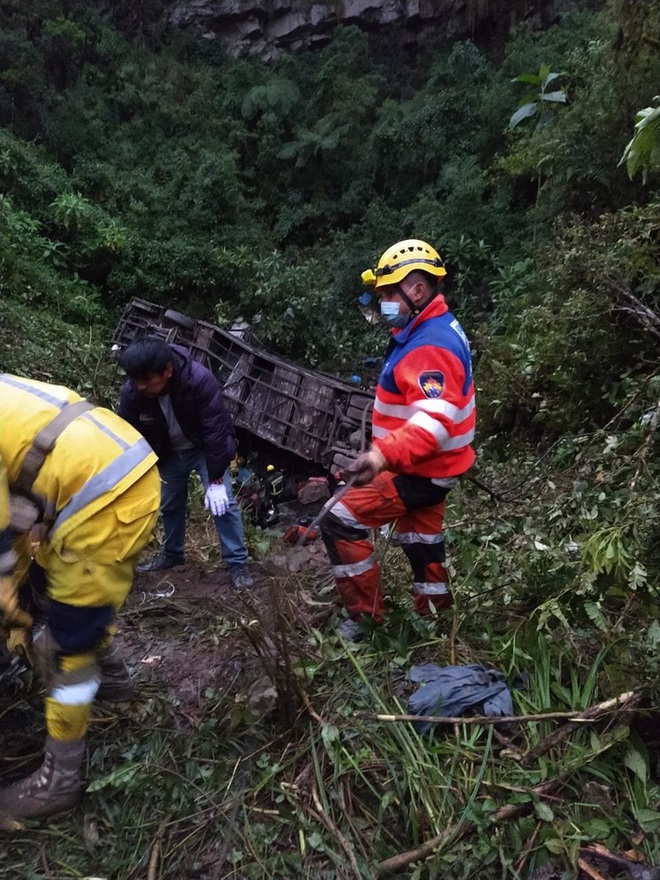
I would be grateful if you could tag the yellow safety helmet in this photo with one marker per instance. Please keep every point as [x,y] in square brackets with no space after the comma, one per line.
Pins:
[400,260]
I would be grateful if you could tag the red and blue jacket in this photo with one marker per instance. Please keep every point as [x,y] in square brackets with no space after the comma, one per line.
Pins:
[424,413]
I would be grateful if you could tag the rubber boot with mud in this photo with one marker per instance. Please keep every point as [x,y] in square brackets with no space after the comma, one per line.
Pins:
[116,685]
[52,790]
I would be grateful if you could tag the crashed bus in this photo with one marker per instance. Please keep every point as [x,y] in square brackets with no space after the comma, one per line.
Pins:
[315,416]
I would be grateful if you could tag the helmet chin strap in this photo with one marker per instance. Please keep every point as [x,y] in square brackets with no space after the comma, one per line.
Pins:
[414,310]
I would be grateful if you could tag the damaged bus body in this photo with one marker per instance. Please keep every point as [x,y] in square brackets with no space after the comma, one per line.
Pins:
[317,417]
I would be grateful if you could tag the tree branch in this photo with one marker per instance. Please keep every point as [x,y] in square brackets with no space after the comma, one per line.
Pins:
[625,701]
[463,828]
[592,714]
[641,312]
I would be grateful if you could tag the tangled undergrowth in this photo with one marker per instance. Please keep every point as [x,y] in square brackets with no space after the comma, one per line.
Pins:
[555,567]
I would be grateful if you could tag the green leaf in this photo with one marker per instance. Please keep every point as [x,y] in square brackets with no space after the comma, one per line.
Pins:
[329,735]
[555,846]
[641,152]
[649,820]
[653,636]
[119,778]
[543,811]
[558,97]
[637,576]
[315,840]
[596,615]
[635,761]
[524,112]
[597,829]
[551,77]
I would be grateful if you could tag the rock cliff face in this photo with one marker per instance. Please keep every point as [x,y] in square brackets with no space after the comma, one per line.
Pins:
[269,27]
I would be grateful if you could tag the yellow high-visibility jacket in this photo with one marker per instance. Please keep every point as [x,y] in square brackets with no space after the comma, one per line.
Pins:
[96,458]
[4,494]
[7,556]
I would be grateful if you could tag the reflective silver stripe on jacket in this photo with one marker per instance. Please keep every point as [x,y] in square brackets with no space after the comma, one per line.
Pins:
[91,417]
[104,481]
[431,589]
[354,568]
[437,429]
[38,392]
[441,407]
[428,423]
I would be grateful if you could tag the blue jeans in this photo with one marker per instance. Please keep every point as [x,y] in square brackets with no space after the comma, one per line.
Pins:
[174,472]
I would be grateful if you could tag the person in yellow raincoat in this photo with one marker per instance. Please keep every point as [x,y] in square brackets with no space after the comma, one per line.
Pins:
[83,483]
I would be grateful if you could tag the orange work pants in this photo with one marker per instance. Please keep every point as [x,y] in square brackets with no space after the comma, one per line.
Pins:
[416,506]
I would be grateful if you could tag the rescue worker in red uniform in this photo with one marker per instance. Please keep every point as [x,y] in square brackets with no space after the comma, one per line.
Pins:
[82,486]
[423,427]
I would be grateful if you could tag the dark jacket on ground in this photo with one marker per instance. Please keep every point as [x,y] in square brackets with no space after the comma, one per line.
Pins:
[198,406]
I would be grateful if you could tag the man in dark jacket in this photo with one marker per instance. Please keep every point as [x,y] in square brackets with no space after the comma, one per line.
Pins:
[176,404]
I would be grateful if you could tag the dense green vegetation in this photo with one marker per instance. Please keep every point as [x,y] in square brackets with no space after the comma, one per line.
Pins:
[225,187]
[236,186]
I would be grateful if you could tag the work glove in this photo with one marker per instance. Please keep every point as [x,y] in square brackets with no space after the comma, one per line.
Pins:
[366,467]
[12,614]
[19,641]
[216,499]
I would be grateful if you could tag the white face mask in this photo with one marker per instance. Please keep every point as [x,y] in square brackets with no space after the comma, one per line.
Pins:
[389,311]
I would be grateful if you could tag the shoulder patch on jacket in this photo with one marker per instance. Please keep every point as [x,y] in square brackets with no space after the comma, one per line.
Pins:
[432,384]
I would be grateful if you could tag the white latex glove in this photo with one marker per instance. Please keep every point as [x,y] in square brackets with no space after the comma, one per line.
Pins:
[216,499]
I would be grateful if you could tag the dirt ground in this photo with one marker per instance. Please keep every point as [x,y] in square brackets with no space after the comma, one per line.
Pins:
[187,631]
[186,634]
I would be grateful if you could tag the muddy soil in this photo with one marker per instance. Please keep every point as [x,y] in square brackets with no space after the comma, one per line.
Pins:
[185,634]
[177,632]
[188,632]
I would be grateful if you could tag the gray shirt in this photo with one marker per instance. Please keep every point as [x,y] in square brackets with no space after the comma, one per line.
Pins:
[178,439]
